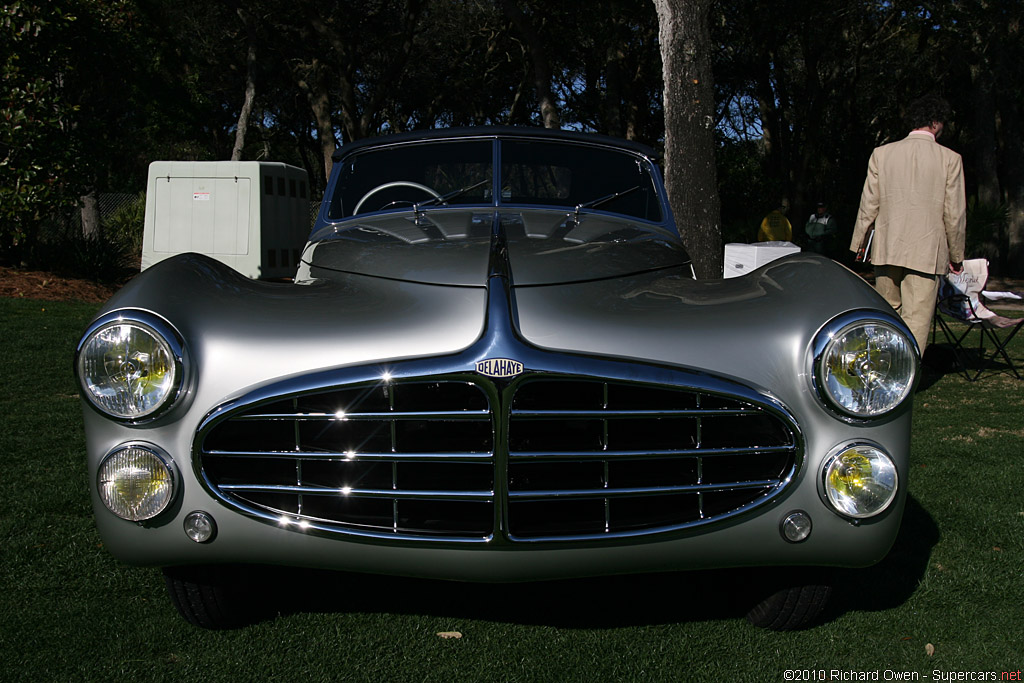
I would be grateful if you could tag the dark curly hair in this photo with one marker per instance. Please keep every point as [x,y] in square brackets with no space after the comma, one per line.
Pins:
[925,110]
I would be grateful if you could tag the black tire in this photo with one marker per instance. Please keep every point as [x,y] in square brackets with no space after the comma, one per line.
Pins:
[795,603]
[210,597]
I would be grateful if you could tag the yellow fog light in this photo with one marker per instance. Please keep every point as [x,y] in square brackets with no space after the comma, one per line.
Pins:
[135,483]
[860,481]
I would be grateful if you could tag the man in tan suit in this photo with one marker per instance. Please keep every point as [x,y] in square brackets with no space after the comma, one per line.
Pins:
[914,196]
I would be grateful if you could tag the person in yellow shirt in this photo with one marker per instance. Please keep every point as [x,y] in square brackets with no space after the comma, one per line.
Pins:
[776,227]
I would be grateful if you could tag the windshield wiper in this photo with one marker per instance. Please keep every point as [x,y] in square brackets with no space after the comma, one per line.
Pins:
[443,199]
[593,203]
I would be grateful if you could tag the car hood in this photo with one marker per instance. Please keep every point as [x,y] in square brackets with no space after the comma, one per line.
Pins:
[453,247]
[242,333]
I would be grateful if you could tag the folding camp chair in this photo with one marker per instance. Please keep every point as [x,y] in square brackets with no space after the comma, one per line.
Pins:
[960,299]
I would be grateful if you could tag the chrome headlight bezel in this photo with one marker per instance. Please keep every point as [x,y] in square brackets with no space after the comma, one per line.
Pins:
[846,331]
[164,335]
[155,503]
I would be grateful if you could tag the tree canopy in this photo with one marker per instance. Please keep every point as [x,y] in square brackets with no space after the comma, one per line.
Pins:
[93,90]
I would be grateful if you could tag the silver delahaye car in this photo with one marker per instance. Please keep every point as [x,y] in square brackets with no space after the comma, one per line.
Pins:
[494,364]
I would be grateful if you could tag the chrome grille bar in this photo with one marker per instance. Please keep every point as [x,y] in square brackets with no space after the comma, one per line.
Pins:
[365,493]
[398,459]
[579,459]
[349,457]
[590,458]
[623,414]
[649,453]
[481,416]
[641,490]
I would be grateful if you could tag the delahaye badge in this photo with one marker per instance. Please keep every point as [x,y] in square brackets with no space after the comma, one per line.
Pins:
[499,368]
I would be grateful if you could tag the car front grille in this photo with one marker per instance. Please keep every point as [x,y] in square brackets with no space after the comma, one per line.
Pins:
[575,458]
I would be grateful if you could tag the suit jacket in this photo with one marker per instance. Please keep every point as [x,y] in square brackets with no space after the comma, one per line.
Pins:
[914,194]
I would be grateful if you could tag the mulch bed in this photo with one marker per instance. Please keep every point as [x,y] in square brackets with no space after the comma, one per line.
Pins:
[34,284]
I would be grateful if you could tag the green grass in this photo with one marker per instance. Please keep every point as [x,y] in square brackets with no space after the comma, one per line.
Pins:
[70,612]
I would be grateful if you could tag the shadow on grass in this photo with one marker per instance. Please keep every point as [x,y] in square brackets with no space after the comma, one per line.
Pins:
[971,362]
[603,602]
[892,581]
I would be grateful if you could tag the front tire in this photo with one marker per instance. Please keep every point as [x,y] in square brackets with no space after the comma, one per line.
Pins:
[795,602]
[210,597]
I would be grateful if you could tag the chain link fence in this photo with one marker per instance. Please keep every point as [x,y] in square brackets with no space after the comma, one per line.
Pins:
[314,211]
[69,221]
[110,204]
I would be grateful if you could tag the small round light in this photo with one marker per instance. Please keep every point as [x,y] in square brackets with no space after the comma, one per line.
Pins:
[860,481]
[866,368]
[129,369]
[796,527]
[200,527]
[135,483]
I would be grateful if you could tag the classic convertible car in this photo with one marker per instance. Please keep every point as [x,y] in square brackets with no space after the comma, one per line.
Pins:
[494,364]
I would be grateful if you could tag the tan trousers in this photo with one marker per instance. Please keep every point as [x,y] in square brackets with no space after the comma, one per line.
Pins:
[912,294]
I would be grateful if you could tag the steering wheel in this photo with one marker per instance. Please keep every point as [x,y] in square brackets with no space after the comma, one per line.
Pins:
[394,183]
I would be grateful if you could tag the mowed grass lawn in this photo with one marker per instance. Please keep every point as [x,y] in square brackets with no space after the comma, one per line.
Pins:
[948,599]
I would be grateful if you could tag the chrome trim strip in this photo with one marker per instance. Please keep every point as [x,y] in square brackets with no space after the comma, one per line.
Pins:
[479,415]
[612,414]
[544,494]
[648,454]
[360,493]
[328,529]
[356,457]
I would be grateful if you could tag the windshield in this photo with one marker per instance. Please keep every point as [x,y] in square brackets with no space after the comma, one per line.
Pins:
[560,174]
[461,173]
[401,176]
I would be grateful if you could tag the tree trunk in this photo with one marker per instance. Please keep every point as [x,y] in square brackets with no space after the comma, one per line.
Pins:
[541,66]
[90,212]
[611,117]
[771,124]
[984,123]
[313,82]
[690,172]
[361,111]
[250,87]
[1010,115]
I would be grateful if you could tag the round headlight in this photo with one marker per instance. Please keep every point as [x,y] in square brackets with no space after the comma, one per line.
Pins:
[865,368]
[129,368]
[135,483]
[860,481]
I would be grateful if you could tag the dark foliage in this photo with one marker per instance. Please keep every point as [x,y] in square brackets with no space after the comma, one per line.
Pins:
[802,91]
